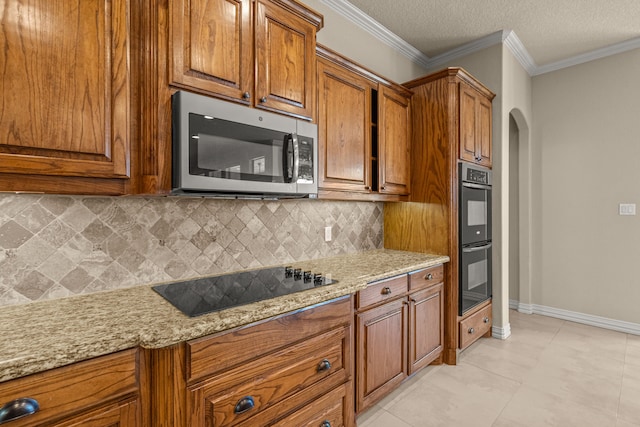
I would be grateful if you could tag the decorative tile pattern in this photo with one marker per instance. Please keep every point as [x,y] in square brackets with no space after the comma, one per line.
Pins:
[57,246]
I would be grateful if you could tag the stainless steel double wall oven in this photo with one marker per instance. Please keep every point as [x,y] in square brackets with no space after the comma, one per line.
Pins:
[475,235]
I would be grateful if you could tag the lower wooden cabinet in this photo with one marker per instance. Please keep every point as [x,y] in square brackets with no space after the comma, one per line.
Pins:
[293,369]
[98,392]
[475,325]
[399,330]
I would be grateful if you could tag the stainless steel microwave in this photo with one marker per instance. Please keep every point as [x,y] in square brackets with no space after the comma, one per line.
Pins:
[226,149]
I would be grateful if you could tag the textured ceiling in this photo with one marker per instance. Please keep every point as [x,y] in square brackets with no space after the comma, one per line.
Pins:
[550,30]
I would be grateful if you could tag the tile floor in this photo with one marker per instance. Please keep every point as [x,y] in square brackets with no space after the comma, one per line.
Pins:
[550,372]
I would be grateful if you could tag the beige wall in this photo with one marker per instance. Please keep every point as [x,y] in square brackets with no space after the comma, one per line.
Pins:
[586,139]
[348,39]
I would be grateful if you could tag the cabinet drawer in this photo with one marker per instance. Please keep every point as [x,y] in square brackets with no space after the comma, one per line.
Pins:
[243,392]
[64,391]
[425,278]
[474,326]
[381,291]
[329,408]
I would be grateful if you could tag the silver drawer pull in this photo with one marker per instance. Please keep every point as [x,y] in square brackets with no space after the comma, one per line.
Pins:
[485,320]
[18,408]
[471,330]
[325,423]
[429,276]
[323,366]
[386,290]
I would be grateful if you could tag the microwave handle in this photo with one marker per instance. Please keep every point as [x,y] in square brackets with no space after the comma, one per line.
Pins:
[296,157]
[476,248]
[287,158]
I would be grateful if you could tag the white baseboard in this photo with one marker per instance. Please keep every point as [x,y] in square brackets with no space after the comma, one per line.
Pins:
[573,316]
[501,333]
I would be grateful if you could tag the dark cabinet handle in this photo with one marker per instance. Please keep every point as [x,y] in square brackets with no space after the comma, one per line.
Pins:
[323,366]
[246,95]
[18,408]
[245,404]
[367,187]
[471,330]
[386,290]
[325,423]
[263,99]
[485,320]
[429,276]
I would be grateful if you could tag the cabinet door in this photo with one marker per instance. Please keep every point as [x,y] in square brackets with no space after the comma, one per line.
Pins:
[65,93]
[212,48]
[344,116]
[475,126]
[381,359]
[394,139]
[286,61]
[426,333]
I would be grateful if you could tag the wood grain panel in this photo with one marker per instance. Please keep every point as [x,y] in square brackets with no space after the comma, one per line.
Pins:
[468,124]
[122,414]
[344,105]
[426,332]
[69,390]
[65,88]
[394,139]
[475,325]
[381,291]
[485,127]
[286,61]
[212,47]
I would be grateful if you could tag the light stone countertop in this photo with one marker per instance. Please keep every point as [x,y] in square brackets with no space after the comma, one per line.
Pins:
[44,335]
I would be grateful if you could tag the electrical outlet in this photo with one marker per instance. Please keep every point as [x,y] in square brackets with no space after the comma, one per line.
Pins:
[627,209]
[327,234]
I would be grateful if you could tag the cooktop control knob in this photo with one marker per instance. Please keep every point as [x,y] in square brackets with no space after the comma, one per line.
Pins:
[307,277]
[288,271]
[297,274]
[317,279]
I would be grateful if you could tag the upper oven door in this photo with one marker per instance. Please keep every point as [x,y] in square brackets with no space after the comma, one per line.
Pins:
[475,213]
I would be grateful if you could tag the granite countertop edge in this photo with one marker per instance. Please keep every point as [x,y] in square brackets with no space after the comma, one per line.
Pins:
[55,333]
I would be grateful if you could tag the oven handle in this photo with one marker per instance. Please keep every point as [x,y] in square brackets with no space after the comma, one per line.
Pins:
[296,157]
[478,186]
[476,248]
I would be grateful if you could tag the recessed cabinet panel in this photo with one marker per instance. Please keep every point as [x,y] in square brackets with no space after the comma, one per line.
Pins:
[212,46]
[425,327]
[344,101]
[394,142]
[66,89]
[467,124]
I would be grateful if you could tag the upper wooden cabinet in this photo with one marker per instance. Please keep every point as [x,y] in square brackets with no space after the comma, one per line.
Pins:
[66,92]
[364,132]
[475,125]
[260,52]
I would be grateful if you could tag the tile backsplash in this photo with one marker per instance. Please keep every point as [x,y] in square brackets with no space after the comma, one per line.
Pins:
[58,246]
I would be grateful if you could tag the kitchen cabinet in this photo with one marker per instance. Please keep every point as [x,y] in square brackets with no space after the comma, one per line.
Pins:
[289,370]
[364,132]
[475,125]
[398,332]
[475,325]
[258,52]
[98,392]
[446,106]
[66,96]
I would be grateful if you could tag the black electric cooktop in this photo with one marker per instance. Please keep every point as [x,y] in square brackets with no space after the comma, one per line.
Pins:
[201,296]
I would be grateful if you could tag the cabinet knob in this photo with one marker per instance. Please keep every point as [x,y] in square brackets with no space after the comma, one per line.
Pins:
[18,408]
[325,423]
[471,330]
[382,188]
[263,99]
[324,366]
[485,320]
[246,95]
[245,404]
[386,290]
[367,187]
[429,276]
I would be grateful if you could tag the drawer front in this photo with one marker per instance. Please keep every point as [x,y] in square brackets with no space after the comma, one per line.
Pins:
[474,326]
[383,290]
[327,409]
[246,391]
[63,391]
[216,353]
[425,278]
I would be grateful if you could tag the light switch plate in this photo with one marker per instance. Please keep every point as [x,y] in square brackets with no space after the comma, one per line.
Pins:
[327,234]
[627,209]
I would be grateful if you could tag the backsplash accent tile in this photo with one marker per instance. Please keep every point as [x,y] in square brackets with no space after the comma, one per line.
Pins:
[59,246]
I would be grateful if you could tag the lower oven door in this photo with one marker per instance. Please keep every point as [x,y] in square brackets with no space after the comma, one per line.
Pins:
[475,275]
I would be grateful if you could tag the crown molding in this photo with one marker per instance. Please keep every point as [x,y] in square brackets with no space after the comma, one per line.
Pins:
[589,56]
[373,27]
[506,37]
